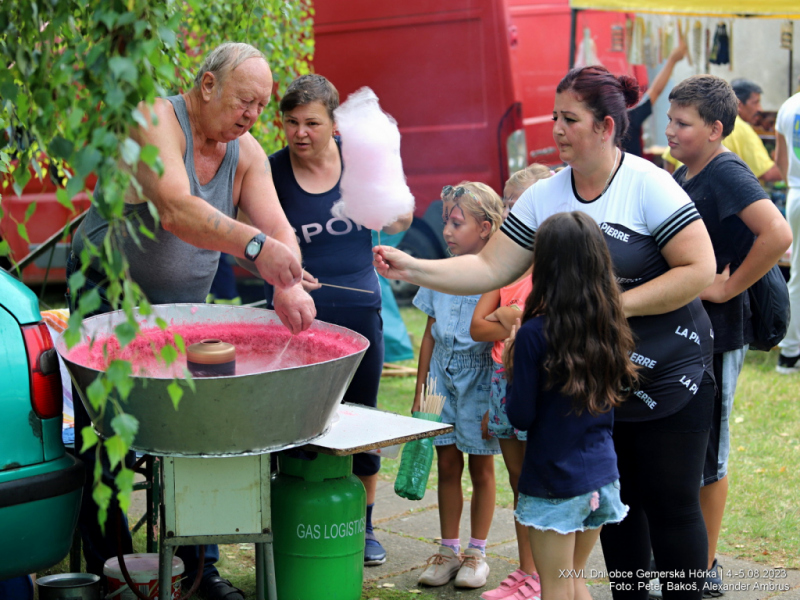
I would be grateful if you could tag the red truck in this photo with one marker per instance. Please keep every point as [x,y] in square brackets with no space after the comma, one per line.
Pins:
[471,84]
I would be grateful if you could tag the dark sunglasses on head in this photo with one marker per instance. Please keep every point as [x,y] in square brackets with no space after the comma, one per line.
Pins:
[457,192]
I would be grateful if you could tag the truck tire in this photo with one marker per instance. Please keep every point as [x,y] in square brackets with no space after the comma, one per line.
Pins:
[418,243]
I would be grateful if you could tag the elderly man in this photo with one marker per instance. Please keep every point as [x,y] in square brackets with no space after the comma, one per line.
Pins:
[744,141]
[212,166]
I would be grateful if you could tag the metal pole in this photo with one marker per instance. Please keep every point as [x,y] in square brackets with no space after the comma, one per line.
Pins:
[272,590]
[164,562]
[260,570]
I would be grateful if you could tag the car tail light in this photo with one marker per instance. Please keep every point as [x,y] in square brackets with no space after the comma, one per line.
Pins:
[46,392]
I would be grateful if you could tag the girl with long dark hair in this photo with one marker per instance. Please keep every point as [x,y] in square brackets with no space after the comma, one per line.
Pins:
[570,368]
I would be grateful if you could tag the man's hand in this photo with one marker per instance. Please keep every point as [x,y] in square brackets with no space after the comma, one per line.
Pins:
[310,283]
[294,307]
[278,265]
[716,292]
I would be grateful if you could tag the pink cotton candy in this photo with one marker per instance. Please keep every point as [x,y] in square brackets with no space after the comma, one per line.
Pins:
[373,187]
[257,348]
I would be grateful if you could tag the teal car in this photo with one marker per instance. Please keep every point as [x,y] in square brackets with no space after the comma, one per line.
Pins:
[40,484]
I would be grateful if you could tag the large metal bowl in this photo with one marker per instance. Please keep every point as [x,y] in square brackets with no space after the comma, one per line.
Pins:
[227,416]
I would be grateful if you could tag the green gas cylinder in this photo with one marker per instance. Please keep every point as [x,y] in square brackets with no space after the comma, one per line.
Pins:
[318,519]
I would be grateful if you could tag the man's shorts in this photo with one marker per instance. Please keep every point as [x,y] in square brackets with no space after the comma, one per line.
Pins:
[727,367]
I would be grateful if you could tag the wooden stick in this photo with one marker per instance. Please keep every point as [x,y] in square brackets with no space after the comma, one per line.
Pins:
[342,287]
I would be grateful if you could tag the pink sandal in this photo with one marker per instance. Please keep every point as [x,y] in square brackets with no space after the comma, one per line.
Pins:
[511,584]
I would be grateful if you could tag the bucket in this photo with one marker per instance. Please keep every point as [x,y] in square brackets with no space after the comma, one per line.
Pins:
[143,569]
[69,586]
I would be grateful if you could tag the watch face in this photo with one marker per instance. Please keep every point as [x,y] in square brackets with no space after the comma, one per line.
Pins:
[252,249]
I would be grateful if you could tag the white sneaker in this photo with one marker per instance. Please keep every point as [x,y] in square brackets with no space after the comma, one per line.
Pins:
[474,570]
[442,567]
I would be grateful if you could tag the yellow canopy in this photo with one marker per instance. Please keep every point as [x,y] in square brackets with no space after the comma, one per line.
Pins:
[783,9]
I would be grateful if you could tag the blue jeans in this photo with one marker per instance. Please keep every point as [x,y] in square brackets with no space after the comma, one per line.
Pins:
[99,546]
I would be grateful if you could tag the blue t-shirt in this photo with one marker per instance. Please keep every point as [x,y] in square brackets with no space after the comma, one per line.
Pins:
[335,250]
[566,454]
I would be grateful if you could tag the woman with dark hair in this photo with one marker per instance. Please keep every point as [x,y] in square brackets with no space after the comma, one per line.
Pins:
[335,250]
[662,259]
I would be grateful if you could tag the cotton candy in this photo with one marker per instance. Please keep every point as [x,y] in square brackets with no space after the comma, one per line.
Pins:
[373,187]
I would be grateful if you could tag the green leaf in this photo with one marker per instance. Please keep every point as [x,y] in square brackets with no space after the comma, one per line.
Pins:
[63,199]
[8,89]
[86,160]
[125,426]
[102,497]
[76,281]
[22,232]
[140,120]
[123,68]
[162,324]
[119,373]
[148,155]
[97,394]
[125,333]
[129,150]
[168,354]
[180,343]
[167,35]
[89,302]
[175,393]
[124,483]
[75,118]
[89,438]
[5,249]
[116,449]
[74,186]
[72,334]
[30,210]
[61,148]
[115,96]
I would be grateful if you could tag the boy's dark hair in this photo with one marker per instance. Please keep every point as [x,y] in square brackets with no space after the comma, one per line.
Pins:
[744,88]
[307,89]
[588,337]
[713,98]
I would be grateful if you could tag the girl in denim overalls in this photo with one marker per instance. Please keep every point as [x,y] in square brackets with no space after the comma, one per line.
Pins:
[472,212]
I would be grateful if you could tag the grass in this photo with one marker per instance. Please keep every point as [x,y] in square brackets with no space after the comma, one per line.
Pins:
[762,518]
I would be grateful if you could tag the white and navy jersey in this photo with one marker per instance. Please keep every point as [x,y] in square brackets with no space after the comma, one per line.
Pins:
[640,212]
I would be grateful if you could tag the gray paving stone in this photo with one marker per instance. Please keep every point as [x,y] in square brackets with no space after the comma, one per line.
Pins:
[389,505]
[425,525]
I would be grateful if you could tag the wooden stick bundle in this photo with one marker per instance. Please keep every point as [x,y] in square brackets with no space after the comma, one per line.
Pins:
[431,403]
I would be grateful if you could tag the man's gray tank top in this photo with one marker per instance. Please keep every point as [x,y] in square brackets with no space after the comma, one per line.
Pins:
[168,269]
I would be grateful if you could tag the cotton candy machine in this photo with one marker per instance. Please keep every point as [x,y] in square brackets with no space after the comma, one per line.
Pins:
[284,394]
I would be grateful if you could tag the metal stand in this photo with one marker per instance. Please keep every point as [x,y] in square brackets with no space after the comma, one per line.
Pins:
[215,501]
